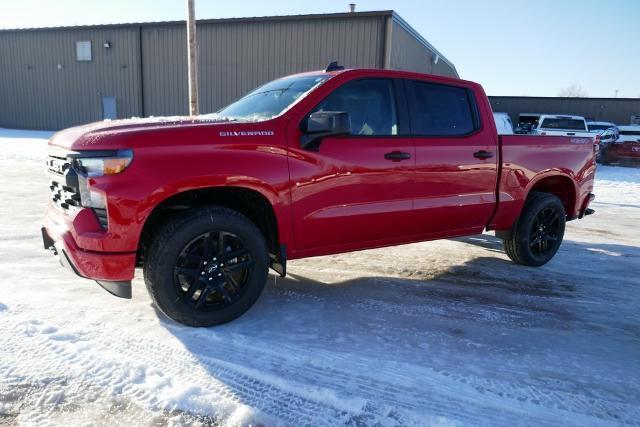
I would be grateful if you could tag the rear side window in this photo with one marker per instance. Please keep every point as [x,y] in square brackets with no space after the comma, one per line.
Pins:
[370,103]
[564,124]
[441,110]
[630,132]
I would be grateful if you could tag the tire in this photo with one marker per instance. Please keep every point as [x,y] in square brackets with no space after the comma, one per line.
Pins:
[539,231]
[207,266]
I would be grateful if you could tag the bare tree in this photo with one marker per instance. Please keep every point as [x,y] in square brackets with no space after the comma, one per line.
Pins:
[573,91]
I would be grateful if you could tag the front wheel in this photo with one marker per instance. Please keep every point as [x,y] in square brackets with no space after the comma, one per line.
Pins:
[539,231]
[206,267]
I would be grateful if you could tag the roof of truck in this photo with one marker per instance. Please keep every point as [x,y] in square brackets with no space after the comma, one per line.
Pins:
[601,123]
[561,116]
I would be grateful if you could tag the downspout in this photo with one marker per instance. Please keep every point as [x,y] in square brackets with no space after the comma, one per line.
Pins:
[141,77]
[386,48]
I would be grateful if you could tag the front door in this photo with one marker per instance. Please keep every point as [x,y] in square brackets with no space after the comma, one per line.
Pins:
[356,188]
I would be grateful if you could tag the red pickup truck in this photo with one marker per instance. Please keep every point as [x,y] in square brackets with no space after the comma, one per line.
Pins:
[311,164]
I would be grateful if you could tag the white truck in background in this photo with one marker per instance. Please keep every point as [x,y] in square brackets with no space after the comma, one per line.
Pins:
[562,125]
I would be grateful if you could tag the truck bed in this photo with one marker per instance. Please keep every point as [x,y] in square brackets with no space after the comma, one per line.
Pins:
[535,162]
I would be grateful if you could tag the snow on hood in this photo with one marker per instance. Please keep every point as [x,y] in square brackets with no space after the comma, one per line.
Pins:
[94,133]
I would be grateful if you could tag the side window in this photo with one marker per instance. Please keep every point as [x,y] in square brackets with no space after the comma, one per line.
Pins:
[370,103]
[441,110]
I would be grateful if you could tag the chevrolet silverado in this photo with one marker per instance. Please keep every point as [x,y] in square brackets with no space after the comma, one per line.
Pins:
[310,164]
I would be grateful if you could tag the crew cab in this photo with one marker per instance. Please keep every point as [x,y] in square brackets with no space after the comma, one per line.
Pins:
[311,164]
[549,124]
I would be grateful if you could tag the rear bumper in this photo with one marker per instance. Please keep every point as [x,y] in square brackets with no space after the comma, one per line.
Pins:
[112,271]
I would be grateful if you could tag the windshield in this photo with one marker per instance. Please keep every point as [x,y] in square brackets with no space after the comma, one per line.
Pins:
[564,124]
[272,99]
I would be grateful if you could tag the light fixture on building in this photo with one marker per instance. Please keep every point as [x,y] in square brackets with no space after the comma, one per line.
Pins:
[435,59]
[106,45]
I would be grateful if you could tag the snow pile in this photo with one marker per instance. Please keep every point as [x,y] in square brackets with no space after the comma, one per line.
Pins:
[438,333]
[617,185]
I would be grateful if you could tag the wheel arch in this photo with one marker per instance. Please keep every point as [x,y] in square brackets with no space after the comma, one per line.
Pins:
[253,203]
[560,185]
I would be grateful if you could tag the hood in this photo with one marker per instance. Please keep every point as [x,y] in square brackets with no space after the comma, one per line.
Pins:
[113,133]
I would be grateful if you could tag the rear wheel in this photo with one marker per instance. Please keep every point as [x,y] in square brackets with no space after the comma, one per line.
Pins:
[206,267]
[539,231]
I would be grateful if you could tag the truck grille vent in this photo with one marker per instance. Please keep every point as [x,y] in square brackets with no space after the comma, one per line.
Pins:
[101,214]
[64,197]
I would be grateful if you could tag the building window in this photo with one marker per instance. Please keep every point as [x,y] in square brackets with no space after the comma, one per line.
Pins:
[83,51]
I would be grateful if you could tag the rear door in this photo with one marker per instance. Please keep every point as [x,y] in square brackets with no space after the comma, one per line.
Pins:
[355,188]
[456,159]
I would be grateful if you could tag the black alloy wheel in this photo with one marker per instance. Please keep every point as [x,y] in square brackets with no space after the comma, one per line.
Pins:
[545,231]
[212,270]
[206,266]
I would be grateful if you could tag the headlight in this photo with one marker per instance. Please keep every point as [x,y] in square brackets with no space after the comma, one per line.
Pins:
[93,164]
[107,165]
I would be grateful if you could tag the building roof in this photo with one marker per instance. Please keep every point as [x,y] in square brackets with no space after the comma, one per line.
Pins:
[211,21]
[379,13]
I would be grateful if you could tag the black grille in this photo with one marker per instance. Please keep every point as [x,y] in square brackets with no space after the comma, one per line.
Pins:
[64,188]
[101,214]
[64,197]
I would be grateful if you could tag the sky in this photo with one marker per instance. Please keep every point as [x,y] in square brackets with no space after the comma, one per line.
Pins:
[515,47]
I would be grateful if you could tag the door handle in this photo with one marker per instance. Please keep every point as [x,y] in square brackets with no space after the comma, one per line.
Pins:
[396,156]
[482,154]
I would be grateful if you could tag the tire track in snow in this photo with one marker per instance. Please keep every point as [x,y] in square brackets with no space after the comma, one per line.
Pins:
[227,386]
[399,398]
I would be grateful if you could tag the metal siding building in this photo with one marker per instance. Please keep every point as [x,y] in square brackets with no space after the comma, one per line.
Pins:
[616,110]
[144,67]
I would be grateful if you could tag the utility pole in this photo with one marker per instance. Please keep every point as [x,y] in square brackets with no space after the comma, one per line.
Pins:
[192,59]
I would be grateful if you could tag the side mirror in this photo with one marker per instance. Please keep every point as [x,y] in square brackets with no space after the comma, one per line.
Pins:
[321,124]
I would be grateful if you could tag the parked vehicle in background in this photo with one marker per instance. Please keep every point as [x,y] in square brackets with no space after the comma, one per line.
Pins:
[557,125]
[312,164]
[526,122]
[503,123]
[625,150]
[607,137]
[599,127]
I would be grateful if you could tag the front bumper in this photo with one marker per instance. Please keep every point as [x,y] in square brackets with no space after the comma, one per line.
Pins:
[112,271]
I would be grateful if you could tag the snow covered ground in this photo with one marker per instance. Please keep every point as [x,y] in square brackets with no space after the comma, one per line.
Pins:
[438,333]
